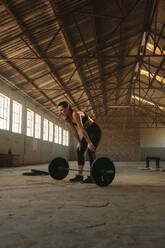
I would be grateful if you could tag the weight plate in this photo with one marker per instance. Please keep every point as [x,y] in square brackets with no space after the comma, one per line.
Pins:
[103,171]
[58,168]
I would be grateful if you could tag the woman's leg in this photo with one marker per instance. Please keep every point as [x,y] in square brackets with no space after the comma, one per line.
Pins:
[81,161]
[80,156]
[95,136]
[92,156]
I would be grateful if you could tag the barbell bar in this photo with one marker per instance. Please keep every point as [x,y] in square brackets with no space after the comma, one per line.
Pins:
[102,170]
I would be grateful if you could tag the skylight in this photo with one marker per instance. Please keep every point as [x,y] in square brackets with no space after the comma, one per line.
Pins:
[158,78]
[150,47]
[147,102]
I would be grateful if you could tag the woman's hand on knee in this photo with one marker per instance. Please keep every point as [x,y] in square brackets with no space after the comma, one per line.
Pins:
[79,146]
[91,147]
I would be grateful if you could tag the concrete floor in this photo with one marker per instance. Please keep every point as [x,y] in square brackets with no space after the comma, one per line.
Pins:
[37,211]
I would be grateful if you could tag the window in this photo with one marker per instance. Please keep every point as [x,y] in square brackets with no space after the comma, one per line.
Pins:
[147,102]
[151,48]
[17,117]
[30,122]
[65,138]
[59,135]
[152,75]
[56,136]
[4,112]
[45,130]
[37,134]
[50,131]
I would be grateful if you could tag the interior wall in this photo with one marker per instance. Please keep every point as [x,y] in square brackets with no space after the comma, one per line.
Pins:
[120,144]
[129,144]
[152,143]
[117,144]
[73,145]
[31,150]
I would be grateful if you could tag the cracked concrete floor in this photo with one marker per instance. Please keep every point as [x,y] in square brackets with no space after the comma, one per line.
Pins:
[37,211]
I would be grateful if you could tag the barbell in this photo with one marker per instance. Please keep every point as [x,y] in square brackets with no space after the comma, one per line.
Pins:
[102,170]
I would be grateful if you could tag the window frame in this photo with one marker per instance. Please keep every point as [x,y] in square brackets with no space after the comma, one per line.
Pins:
[31,127]
[51,127]
[5,115]
[37,133]
[45,134]
[16,114]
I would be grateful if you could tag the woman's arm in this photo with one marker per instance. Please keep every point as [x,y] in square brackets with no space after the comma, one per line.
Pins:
[74,131]
[78,121]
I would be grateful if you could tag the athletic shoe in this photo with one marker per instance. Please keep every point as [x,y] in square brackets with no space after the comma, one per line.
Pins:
[89,179]
[76,179]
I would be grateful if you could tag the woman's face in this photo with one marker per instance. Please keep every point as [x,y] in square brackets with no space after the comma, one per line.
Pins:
[63,111]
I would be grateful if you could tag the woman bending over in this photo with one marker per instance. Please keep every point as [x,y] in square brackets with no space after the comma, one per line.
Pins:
[91,134]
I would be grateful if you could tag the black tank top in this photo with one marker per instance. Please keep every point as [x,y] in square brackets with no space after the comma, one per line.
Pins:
[84,119]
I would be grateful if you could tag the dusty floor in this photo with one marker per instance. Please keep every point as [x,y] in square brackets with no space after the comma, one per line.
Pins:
[37,211]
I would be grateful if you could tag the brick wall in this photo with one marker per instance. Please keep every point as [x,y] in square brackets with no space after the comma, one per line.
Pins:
[117,144]
[120,144]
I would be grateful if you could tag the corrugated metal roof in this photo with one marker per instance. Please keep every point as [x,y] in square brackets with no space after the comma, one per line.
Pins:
[87,52]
